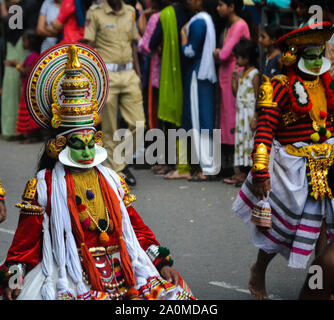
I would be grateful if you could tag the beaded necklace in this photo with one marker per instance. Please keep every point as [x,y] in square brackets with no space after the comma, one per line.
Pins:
[88,188]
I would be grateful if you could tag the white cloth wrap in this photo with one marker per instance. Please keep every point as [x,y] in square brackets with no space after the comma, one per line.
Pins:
[205,147]
[207,69]
[295,215]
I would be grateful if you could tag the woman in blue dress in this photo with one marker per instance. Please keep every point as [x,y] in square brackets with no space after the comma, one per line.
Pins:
[198,43]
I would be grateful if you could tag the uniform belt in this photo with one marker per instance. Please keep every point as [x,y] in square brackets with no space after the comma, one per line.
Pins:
[114,67]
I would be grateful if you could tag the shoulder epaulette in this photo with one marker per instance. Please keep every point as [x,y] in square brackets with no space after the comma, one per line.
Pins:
[95,6]
[281,78]
[2,192]
[28,197]
[128,198]
[265,97]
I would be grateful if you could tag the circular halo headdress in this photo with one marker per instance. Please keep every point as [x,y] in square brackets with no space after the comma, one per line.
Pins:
[67,87]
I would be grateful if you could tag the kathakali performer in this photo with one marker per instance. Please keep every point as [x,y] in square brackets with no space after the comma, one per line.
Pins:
[78,235]
[293,151]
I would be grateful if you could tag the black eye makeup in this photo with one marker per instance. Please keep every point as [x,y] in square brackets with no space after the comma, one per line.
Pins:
[313,56]
[77,144]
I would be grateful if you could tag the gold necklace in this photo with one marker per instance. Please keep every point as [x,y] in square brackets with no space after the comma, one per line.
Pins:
[312,84]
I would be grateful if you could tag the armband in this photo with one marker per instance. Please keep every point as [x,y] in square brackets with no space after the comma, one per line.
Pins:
[29,195]
[260,158]
[2,192]
[128,198]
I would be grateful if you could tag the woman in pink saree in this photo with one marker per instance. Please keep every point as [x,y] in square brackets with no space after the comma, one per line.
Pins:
[237,29]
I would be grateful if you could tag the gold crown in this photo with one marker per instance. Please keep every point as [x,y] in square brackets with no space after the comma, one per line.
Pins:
[76,109]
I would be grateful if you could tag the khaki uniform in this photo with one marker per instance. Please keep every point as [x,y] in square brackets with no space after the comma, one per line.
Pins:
[113,35]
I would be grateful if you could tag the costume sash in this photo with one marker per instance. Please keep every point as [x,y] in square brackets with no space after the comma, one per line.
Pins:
[171,90]
[207,69]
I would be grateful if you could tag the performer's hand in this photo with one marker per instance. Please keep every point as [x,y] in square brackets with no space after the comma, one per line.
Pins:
[10,294]
[10,63]
[261,189]
[184,36]
[253,122]
[3,212]
[216,53]
[170,275]
[262,229]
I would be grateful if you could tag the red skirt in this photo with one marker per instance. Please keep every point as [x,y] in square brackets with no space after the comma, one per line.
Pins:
[25,123]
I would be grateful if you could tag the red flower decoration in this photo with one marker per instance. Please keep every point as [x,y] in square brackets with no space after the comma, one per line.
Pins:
[323,114]
[82,207]
[327,80]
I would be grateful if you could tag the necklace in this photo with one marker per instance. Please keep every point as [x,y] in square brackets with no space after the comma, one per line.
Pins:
[102,225]
[93,214]
[318,113]
[312,84]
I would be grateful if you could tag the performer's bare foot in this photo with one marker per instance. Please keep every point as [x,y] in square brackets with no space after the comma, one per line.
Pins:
[257,285]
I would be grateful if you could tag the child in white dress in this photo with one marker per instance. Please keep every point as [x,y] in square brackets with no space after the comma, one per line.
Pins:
[245,90]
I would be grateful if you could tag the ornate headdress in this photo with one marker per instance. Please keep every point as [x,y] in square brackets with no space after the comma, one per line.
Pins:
[296,40]
[67,89]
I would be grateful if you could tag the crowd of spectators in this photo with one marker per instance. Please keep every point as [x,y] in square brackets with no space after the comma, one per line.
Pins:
[191,64]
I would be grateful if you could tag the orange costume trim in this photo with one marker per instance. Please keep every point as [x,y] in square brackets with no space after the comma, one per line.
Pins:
[112,203]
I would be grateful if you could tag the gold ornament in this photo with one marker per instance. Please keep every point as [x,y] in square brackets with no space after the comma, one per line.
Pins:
[73,61]
[128,198]
[266,94]
[96,117]
[319,160]
[28,197]
[290,56]
[98,138]
[56,119]
[2,190]
[54,147]
[30,190]
[260,158]
[61,142]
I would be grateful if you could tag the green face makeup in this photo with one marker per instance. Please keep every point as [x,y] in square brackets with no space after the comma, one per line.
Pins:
[82,148]
[313,60]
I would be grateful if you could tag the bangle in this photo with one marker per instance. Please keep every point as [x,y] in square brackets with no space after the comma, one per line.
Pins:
[2,192]
[18,66]
[260,158]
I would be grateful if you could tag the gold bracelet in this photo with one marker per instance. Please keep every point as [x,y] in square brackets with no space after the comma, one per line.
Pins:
[2,191]
[18,66]
[260,158]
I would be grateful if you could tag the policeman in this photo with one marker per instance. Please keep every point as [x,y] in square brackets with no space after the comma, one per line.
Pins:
[111,29]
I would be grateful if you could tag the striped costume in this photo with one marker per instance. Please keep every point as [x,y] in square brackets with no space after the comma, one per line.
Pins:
[296,214]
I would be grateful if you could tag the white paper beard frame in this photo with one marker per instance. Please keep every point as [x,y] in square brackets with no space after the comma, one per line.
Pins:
[100,156]
[326,65]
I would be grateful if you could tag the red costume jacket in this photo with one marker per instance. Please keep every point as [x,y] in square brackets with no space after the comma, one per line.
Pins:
[27,243]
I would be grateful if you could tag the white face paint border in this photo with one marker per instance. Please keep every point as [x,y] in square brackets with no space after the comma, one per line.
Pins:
[326,65]
[100,156]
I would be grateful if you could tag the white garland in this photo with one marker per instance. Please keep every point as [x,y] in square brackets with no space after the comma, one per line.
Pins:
[301,92]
